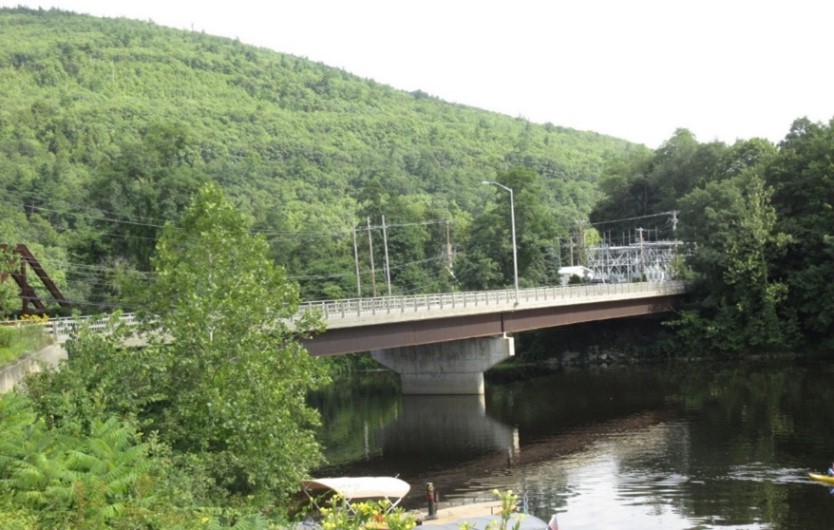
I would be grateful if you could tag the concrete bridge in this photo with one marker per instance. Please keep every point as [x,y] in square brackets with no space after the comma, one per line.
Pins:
[443,343]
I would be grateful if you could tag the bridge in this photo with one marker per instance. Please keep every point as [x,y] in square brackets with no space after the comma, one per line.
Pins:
[442,343]
[367,324]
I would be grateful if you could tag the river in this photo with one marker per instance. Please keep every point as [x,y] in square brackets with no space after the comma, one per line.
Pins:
[667,446]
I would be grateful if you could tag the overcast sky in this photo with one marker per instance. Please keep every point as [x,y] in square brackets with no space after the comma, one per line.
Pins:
[635,69]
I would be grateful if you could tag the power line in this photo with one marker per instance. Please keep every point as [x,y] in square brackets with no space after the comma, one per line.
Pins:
[647,216]
[106,219]
[272,235]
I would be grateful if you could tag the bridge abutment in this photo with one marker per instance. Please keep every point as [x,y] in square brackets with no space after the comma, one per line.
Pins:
[446,367]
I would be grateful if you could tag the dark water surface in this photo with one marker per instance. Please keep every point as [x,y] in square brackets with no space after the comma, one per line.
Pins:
[684,446]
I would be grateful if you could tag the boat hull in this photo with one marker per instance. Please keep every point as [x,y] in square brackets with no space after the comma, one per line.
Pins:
[825,479]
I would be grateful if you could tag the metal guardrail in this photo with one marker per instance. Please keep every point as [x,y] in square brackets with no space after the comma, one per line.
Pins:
[353,308]
[63,327]
[353,311]
[66,324]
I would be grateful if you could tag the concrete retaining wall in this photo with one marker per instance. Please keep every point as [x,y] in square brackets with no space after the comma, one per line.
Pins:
[34,362]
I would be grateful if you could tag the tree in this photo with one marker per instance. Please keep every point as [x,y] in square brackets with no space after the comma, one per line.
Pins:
[802,176]
[104,475]
[238,375]
[735,238]
[642,185]
[223,378]
[488,259]
[149,182]
[625,188]
[9,291]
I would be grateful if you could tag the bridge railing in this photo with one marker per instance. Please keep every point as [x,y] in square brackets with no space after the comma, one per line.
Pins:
[361,307]
[63,327]
[346,310]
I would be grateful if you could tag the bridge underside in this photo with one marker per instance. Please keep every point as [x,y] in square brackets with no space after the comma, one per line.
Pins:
[449,355]
[419,332]
[446,368]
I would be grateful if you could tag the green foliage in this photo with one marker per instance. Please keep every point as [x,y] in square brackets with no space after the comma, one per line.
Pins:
[105,475]
[759,221]
[221,388]
[802,177]
[641,184]
[62,480]
[366,515]
[9,300]
[7,336]
[150,179]
[741,302]
[488,259]
[222,379]
[19,339]
[109,125]
[507,511]
[103,375]
[509,506]
[238,376]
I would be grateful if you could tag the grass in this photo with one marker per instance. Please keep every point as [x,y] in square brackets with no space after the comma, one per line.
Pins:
[18,340]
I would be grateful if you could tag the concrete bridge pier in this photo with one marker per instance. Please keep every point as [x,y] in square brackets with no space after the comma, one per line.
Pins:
[446,367]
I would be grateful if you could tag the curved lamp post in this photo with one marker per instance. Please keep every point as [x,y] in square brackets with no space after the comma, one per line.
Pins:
[512,224]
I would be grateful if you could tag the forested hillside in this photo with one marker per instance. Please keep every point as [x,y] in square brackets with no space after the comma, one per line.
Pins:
[109,125]
[758,220]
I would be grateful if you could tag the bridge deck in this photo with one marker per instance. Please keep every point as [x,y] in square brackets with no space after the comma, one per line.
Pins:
[370,311]
[380,323]
[385,322]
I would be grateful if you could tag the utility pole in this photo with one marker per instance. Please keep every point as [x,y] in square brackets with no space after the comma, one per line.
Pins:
[570,245]
[449,247]
[387,263]
[371,251]
[356,262]
[558,253]
[642,257]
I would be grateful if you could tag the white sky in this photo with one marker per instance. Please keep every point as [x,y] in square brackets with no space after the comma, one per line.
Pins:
[635,69]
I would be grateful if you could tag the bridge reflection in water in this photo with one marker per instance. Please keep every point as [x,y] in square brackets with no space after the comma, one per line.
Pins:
[475,457]
[446,425]
[452,442]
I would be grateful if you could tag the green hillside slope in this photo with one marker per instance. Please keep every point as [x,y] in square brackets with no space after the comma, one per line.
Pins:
[108,125]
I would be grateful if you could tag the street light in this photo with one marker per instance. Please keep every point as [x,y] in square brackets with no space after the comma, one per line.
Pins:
[512,224]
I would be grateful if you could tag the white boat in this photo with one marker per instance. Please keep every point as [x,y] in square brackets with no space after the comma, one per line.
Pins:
[354,488]
[351,489]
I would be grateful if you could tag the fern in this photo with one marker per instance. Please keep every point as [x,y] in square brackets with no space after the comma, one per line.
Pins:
[71,480]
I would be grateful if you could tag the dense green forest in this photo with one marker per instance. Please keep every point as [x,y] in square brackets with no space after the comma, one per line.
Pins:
[109,125]
[759,226]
